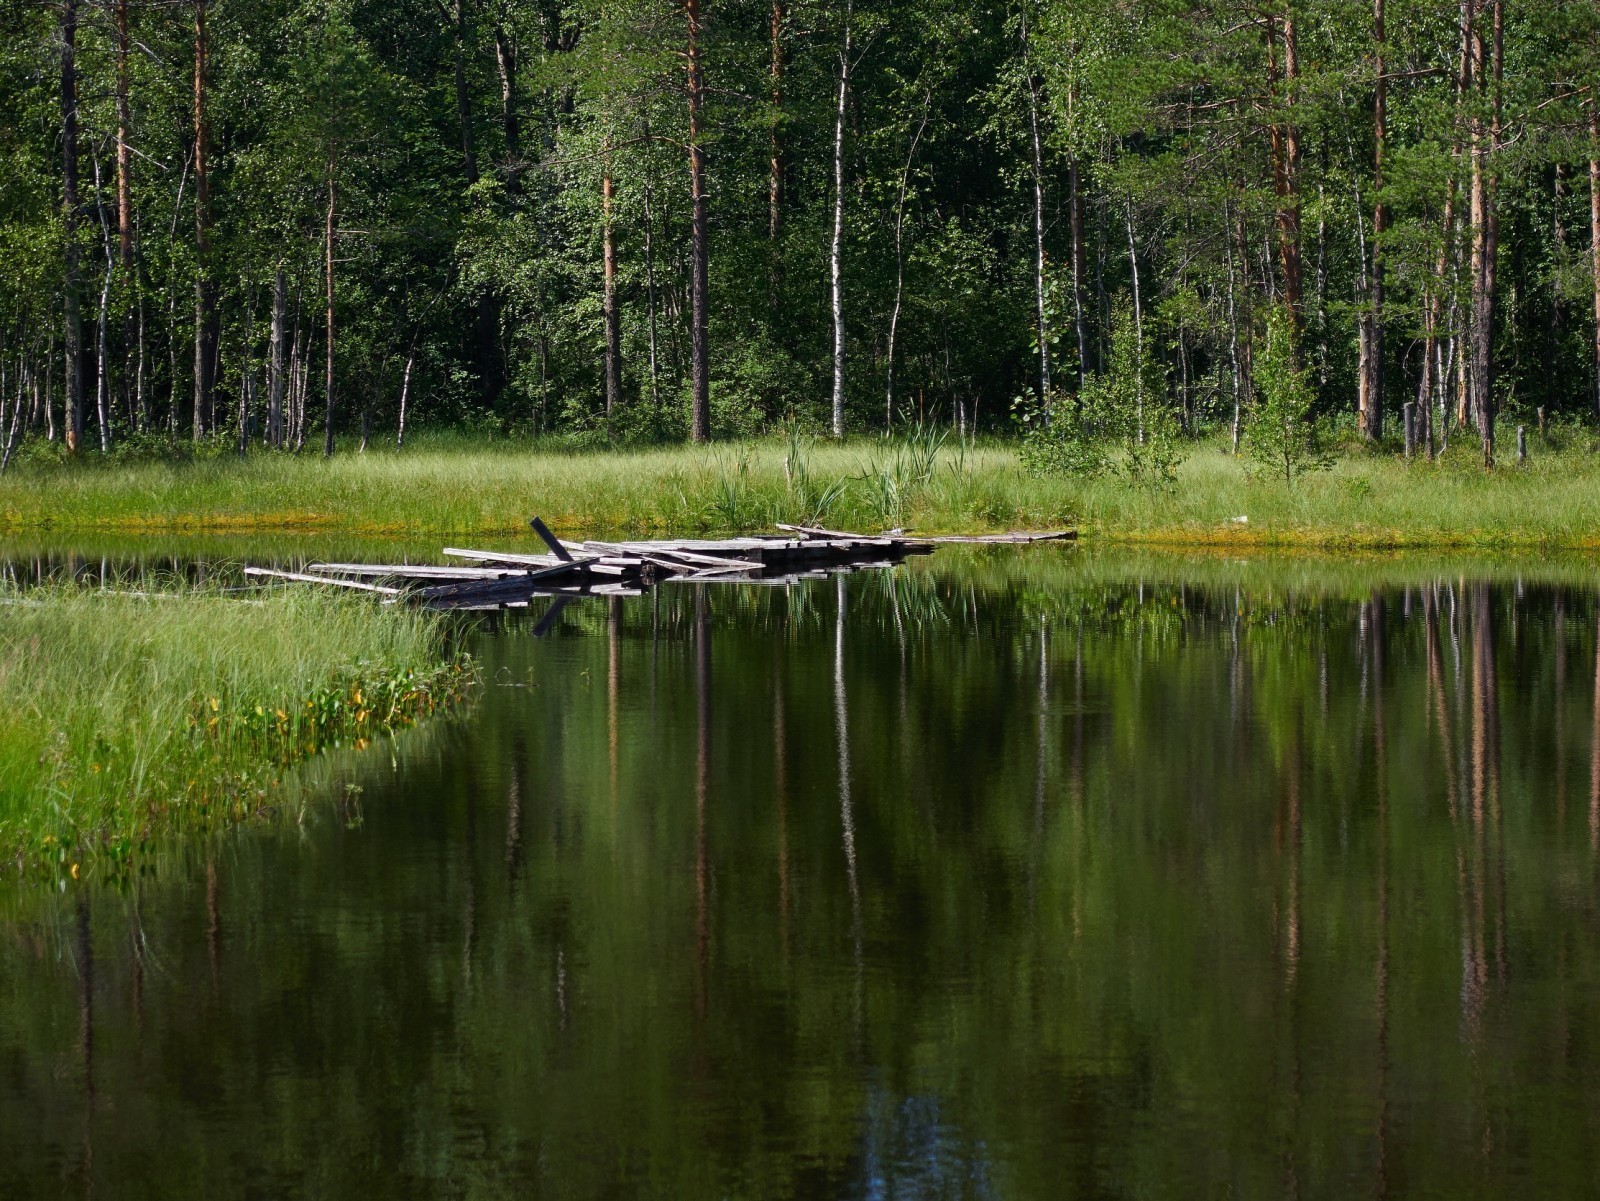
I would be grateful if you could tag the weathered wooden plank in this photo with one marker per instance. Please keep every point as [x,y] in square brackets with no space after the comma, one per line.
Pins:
[761,581]
[900,536]
[512,585]
[817,531]
[418,571]
[720,573]
[301,577]
[490,556]
[656,552]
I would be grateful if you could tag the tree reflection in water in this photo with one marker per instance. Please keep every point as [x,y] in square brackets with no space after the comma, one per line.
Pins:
[1005,874]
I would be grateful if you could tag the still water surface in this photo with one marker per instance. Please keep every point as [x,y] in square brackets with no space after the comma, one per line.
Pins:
[1003,875]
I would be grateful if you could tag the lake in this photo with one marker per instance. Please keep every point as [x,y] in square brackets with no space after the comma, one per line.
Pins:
[1013,873]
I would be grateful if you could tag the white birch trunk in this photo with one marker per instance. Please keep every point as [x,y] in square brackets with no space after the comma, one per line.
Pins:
[405,393]
[900,267]
[836,248]
[1138,328]
[1038,228]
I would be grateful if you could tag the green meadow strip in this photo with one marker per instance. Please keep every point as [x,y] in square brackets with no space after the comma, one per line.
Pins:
[446,486]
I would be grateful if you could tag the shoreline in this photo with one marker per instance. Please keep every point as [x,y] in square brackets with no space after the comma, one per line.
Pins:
[1330,540]
[450,488]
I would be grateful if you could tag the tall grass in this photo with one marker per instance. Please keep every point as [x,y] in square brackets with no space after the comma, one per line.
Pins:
[447,486]
[122,715]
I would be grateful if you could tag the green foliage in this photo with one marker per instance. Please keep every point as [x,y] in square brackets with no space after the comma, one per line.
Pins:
[899,475]
[1056,441]
[730,505]
[1283,433]
[1120,423]
[810,500]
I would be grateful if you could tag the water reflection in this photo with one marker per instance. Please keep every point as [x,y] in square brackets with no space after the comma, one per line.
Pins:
[1005,875]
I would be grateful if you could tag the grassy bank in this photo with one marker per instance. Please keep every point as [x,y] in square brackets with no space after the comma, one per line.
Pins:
[125,715]
[445,486]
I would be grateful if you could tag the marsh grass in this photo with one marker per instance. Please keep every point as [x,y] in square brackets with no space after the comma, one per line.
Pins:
[124,715]
[444,486]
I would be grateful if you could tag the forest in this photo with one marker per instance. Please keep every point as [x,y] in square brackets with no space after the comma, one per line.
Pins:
[292,224]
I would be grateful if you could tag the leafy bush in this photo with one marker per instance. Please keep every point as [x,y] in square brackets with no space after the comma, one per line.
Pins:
[1283,434]
[1120,423]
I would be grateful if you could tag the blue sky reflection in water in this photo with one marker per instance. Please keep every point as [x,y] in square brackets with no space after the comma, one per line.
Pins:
[1018,875]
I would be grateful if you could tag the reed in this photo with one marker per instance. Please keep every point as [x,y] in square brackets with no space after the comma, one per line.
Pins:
[126,714]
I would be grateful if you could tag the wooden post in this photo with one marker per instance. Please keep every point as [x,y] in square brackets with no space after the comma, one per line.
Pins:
[1522,444]
[550,540]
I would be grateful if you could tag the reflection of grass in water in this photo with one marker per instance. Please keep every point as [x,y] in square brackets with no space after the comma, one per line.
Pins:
[450,485]
[126,714]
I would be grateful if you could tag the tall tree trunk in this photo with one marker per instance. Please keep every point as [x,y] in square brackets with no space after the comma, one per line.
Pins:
[102,378]
[205,322]
[405,390]
[650,291]
[327,437]
[125,204]
[1233,340]
[1138,329]
[1285,140]
[699,251]
[613,322]
[12,437]
[1484,233]
[486,308]
[836,247]
[1102,306]
[174,389]
[1371,381]
[1079,265]
[1041,312]
[275,359]
[141,396]
[505,61]
[1476,208]
[73,282]
[1555,329]
[1491,239]
[900,263]
[247,390]
[1434,307]
[775,163]
[469,152]
[124,155]
[1594,237]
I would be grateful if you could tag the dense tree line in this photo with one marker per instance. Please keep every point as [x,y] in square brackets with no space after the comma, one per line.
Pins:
[271,222]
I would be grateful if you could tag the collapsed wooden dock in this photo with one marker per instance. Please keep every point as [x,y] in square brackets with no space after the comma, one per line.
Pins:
[489,579]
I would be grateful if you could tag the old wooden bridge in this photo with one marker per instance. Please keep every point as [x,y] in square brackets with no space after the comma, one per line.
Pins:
[490,579]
